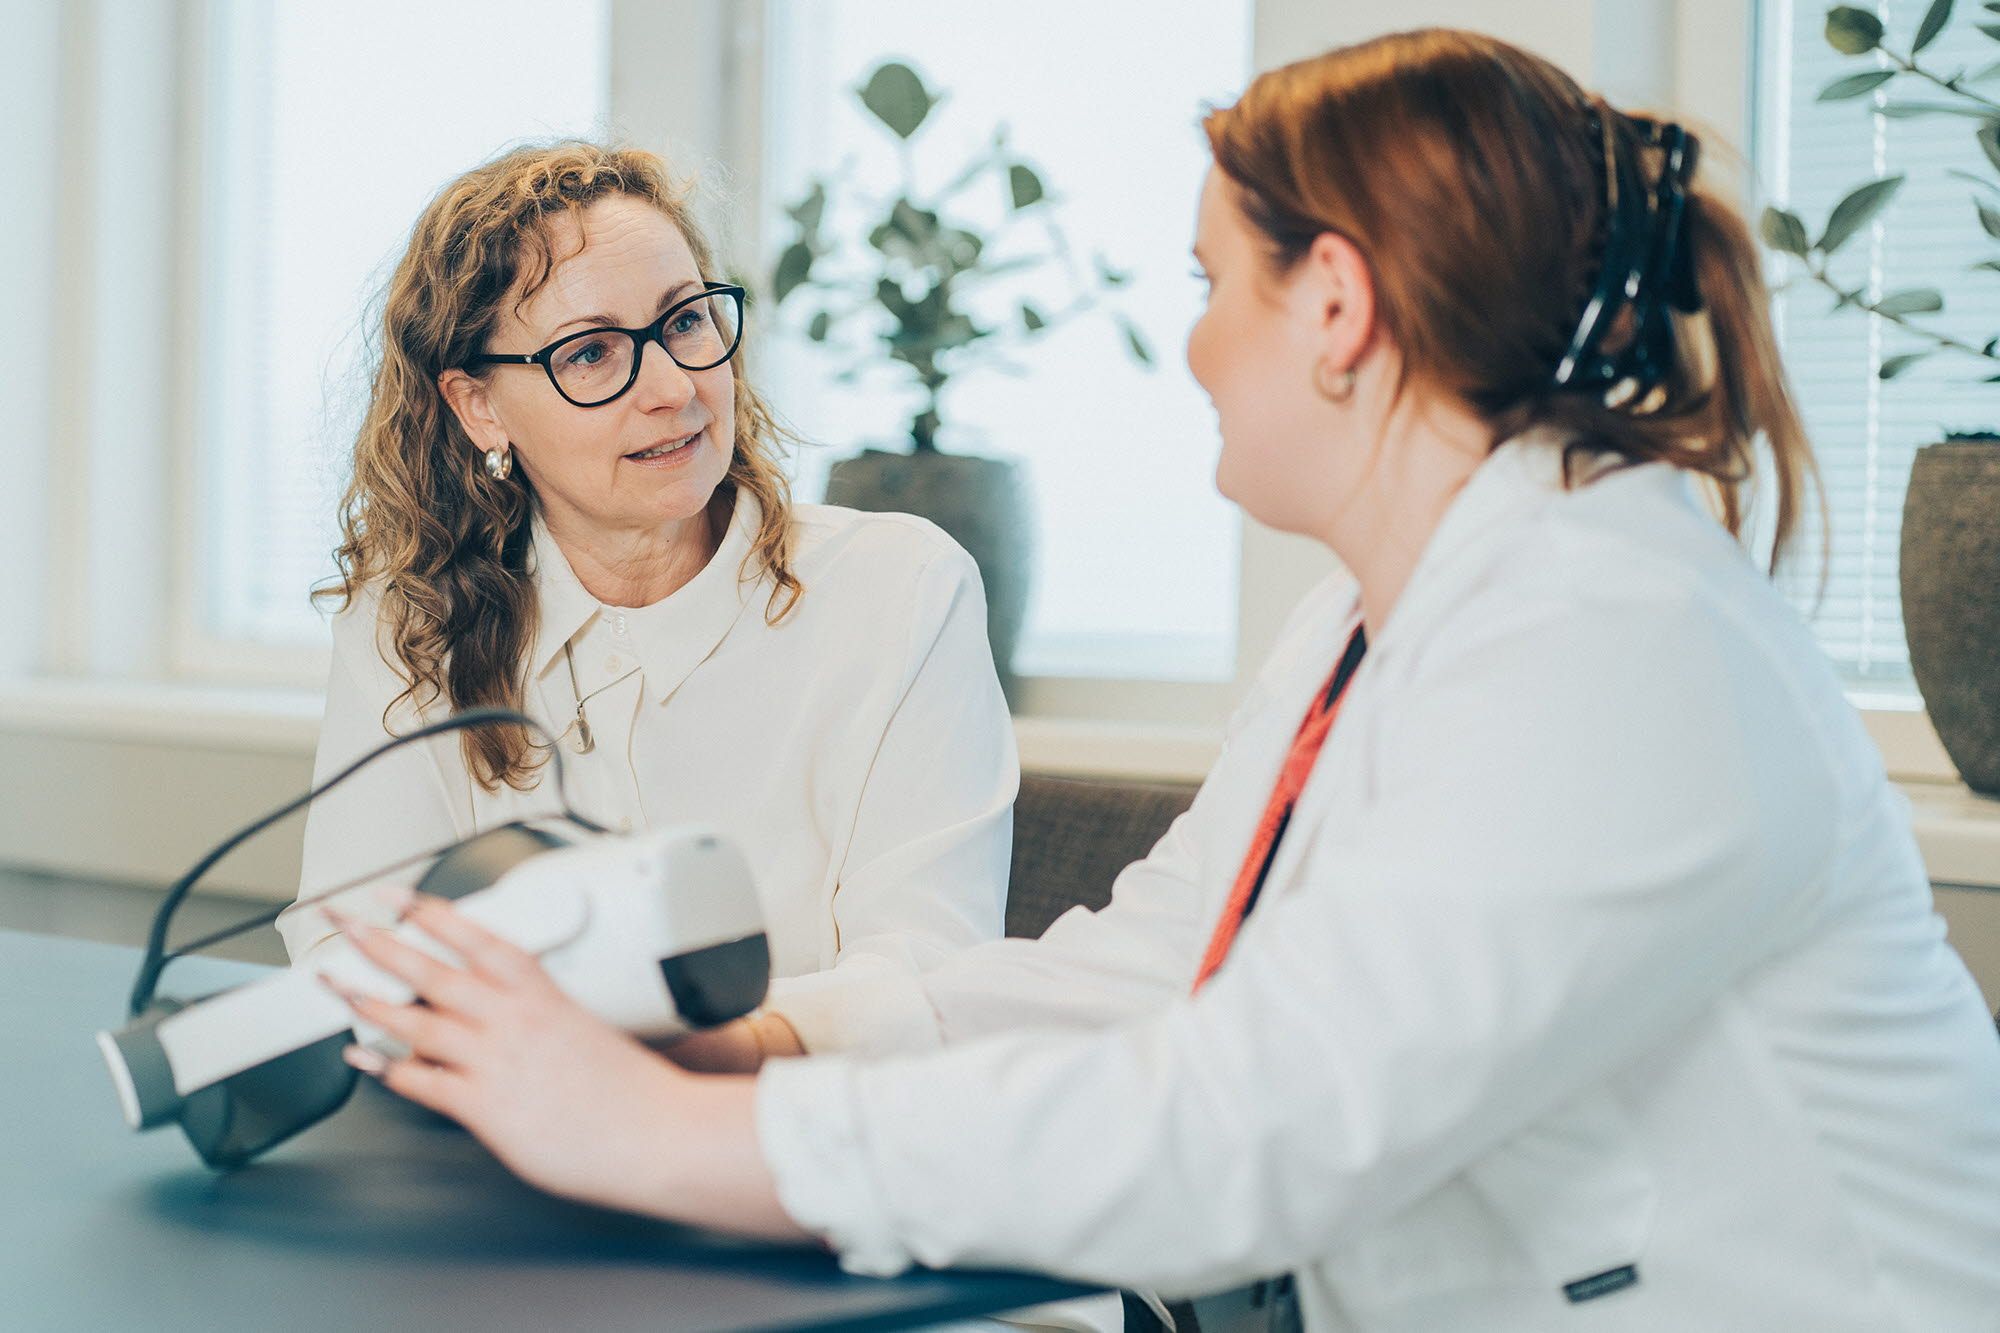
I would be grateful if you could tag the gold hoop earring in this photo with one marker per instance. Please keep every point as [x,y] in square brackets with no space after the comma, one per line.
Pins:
[1340,390]
[500,462]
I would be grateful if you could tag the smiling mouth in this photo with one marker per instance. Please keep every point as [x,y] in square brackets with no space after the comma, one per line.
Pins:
[666,450]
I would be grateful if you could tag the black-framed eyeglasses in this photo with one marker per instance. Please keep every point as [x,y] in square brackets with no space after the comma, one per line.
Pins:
[594,366]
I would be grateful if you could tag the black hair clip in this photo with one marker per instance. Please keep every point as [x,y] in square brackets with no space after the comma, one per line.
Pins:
[1647,266]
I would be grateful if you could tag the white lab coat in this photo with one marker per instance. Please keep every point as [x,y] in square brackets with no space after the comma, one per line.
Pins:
[859,752]
[1598,940]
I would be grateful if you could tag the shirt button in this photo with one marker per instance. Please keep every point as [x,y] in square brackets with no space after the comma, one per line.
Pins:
[624,826]
[612,663]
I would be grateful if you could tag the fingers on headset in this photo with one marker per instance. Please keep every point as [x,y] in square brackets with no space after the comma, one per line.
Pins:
[437,982]
[438,1088]
[480,947]
[431,1035]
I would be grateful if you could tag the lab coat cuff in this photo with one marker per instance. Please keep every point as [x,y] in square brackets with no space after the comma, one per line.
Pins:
[857,1010]
[809,1129]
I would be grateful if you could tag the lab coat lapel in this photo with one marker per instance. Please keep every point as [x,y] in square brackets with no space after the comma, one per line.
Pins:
[1519,475]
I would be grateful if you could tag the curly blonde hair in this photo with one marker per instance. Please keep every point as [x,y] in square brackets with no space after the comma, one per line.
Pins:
[446,545]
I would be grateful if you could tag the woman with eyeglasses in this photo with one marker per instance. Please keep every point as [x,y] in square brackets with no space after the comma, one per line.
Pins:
[1547,947]
[566,500]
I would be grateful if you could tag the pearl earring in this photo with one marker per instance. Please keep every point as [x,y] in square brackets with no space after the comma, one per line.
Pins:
[1342,387]
[500,463]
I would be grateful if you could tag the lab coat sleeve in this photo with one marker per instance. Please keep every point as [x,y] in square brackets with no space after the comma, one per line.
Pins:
[394,809]
[1587,822]
[925,870]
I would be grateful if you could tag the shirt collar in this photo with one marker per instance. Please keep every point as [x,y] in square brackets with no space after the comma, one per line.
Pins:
[673,636]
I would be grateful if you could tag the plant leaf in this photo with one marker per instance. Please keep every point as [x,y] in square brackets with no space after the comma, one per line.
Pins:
[1852,31]
[1933,23]
[1911,110]
[1915,301]
[1023,186]
[1784,232]
[793,268]
[1854,85]
[1989,142]
[1854,212]
[1989,217]
[897,97]
[1032,319]
[1135,342]
[1893,366]
[808,211]
[909,233]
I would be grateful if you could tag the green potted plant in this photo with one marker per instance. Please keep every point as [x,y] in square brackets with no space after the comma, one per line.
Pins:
[924,291]
[1950,559]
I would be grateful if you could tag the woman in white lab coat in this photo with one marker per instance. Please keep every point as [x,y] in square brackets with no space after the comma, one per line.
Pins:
[566,500]
[1546,947]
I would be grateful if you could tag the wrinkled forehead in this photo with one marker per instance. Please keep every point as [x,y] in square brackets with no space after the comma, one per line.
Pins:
[613,261]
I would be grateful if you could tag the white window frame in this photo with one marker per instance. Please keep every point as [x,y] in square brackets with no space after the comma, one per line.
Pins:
[709,121]
[134,72]
[194,652]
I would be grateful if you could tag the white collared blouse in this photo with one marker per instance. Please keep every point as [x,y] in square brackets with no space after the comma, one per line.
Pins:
[859,752]
[1595,984]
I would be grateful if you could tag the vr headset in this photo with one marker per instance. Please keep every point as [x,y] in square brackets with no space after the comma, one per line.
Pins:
[658,933]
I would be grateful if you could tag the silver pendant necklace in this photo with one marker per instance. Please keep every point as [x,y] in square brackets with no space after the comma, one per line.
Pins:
[583,742]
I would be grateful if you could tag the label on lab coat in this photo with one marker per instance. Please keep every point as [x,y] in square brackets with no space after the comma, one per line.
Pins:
[1601,1284]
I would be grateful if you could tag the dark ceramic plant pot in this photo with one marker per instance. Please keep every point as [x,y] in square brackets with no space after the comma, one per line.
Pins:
[982,502]
[1951,600]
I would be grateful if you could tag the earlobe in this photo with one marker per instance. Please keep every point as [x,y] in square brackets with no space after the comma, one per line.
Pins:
[1347,311]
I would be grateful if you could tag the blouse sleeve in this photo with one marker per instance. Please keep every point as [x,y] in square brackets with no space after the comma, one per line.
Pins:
[925,870]
[397,808]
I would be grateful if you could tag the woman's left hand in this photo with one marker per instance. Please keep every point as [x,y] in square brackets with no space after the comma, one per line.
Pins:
[569,1103]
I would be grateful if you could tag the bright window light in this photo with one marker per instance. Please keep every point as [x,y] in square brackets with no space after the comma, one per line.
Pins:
[1136,570]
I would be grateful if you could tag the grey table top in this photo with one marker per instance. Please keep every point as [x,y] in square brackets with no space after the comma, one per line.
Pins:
[383,1216]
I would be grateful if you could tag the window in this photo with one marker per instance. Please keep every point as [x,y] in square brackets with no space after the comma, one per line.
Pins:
[1116,455]
[326,130]
[1866,430]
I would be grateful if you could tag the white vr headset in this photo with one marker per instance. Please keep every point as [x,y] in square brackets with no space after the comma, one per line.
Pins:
[658,933]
